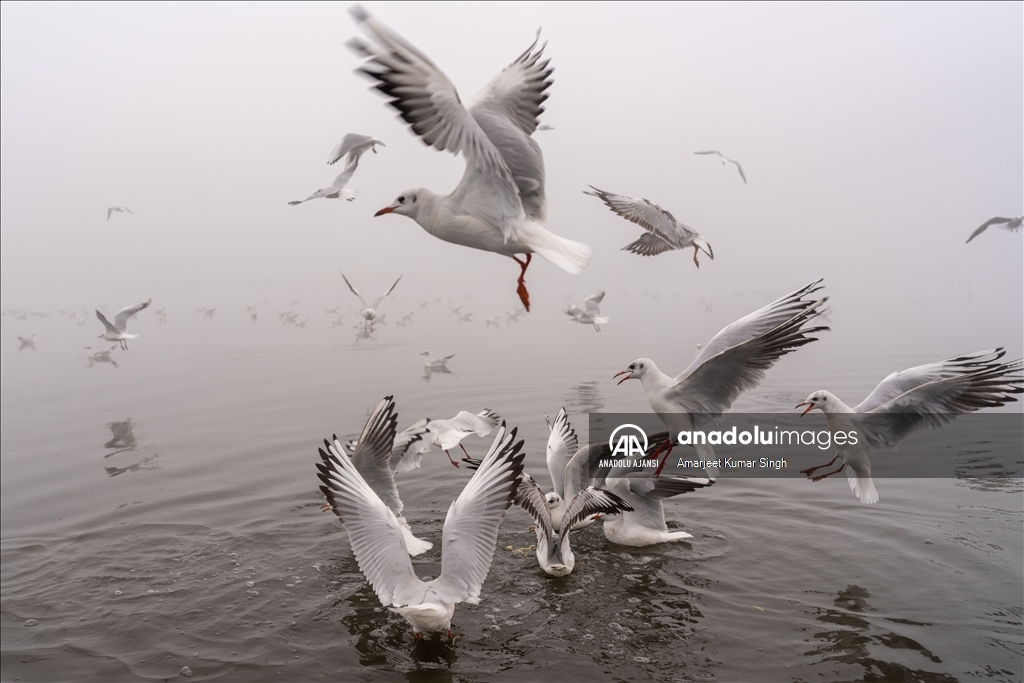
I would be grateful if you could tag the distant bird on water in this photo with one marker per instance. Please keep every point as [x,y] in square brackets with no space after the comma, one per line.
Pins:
[664,232]
[726,160]
[1011,224]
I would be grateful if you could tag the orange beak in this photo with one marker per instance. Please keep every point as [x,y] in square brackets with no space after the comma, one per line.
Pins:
[628,375]
[386,209]
[810,407]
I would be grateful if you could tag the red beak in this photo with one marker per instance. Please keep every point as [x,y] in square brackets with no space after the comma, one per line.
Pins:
[628,375]
[386,209]
[810,407]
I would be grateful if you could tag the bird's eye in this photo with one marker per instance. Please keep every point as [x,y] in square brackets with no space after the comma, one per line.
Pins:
[401,200]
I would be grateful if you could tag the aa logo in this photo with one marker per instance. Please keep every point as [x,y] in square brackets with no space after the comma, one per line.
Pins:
[631,443]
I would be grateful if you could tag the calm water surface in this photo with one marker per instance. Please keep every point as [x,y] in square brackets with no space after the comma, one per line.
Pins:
[164,513]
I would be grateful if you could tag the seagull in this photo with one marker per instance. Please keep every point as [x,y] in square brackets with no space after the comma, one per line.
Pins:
[592,314]
[354,145]
[369,313]
[117,332]
[726,160]
[545,126]
[500,202]
[562,445]
[337,189]
[96,356]
[664,232]
[468,539]
[930,395]
[553,552]
[371,456]
[1011,224]
[493,321]
[435,363]
[112,209]
[447,434]
[734,361]
[27,342]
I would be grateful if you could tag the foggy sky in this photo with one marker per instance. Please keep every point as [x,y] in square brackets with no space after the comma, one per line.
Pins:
[875,139]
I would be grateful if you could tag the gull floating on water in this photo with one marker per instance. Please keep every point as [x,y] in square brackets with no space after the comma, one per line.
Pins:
[118,331]
[337,189]
[929,395]
[500,202]
[592,314]
[1011,224]
[435,363]
[369,313]
[664,232]
[468,539]
[734,361]
[354,145]
[112,209]
[371,456]
[97,356]
[726,160]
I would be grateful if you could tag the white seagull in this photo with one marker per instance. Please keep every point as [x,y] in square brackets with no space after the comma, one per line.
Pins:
[553,552]
[734,361]
[726,160]
[500,202]
[337,189]
[929,395]
[117,332]
[96,356]
[664,232]
[432,363]
[371,456]
[369,313]
[354,146]
[562,445]
[468,539]
[592,313]
[1011,224]
[447,434]
[112,209]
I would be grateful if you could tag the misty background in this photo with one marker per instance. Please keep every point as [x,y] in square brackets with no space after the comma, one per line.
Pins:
[875,139]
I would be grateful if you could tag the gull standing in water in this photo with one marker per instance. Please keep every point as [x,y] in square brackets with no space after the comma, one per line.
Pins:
[468,539]
[371,456]
[664,232]
[369,313]
[500,202]
[592,314]
[119,209]
[1011,224]
[354,146]
[117,332]
[726,160]
[734,361]
[337,189]
[929,395]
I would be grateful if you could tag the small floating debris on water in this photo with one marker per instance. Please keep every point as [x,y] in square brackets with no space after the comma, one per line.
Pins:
[758,608]
[185,671]
[31,622]
[927,542]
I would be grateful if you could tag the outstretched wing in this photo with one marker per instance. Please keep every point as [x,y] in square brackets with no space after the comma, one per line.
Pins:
[353,290]
[531,498]
[592,303]
[740,169]
[410,445]
[646,214]
[342,180]
[381,297]
[106,323]
[589,502]
[354,145]
[562,445]
[122,316]
[998,220]
[736,358]
[648,244]
[372,454]
[471,527]
[480,424]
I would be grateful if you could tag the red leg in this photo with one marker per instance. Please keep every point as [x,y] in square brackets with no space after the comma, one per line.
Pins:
[829,474]
[695,257]
[668,452]
[524,295]
[450,456]
[810,470]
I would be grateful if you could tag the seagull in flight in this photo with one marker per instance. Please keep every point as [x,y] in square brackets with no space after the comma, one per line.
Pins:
[369,313]
[112,209]
[118,331]
[664,232]
[734,361]
[726,160]
[930,395]
[1011,224]
[468,540]
[447,434]
[500,202]
[353,146]
[337,189]
[592,314]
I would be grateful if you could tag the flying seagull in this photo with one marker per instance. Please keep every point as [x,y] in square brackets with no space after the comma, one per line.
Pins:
[117,332]
[726,160]
[354,146]
[112,209]
[1011,224]
[337,189]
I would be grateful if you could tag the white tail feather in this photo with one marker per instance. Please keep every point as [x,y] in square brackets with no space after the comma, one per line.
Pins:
[863,488]
[570,256]
[413,545]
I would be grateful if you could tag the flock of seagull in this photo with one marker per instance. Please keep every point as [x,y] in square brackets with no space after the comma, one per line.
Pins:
[500,206]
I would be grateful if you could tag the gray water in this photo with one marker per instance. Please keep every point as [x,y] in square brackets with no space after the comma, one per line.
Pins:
[164,513]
